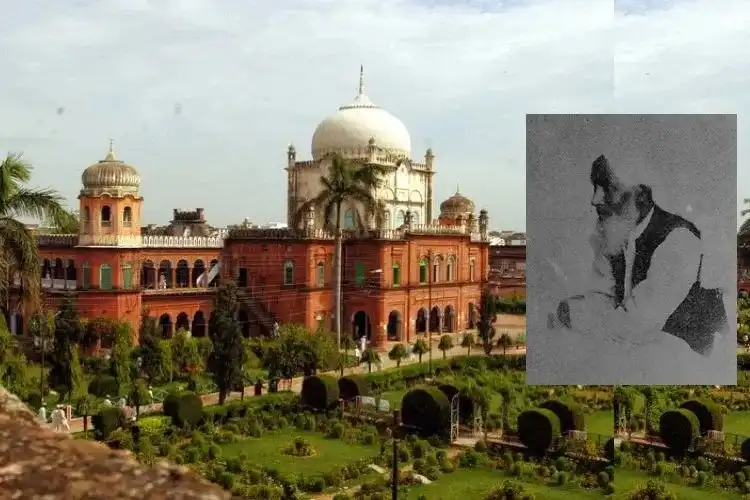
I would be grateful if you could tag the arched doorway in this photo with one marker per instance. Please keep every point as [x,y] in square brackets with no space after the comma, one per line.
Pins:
[70,271]
[421,326]
[242,278]
[182,323]
[198,269]
[244,320]
[16,323]
[472,320]
[183,274]
[58,272]
[435,319]
[394,326]
[215,280]
[199,324]
[449,320]
[148,275]
[165,322]
[361,325]
[165,274]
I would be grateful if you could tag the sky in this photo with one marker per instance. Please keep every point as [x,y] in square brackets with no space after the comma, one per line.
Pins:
[204,96]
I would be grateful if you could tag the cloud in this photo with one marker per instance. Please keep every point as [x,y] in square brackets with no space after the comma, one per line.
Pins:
[203,96]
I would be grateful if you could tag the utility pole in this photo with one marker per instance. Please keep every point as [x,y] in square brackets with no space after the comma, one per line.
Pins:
[430,267]
[394,437]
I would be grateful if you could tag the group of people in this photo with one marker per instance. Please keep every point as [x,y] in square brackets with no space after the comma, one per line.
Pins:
[58,418]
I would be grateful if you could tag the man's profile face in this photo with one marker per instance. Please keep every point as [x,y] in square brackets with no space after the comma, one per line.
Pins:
[614,204]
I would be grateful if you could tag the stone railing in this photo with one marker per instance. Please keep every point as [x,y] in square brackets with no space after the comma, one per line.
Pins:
[183,241]
[57,240]
[434,229]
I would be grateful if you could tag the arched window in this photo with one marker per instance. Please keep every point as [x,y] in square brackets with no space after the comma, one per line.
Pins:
[472,265]
[423,269]
[320,274]
[396,274]
[349,220]
[400,218]
[106,216]
[436,269]
[127,276]
[289,272]
[105,277]
[127,217]
[449,269]
[86,268]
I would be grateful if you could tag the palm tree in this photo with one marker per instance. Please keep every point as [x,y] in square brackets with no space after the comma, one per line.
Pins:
[66,224]
[18,249]
[347,183]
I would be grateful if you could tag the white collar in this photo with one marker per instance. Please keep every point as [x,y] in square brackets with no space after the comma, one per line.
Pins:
[643,224]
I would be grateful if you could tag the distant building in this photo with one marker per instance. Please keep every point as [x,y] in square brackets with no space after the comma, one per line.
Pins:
[507,276]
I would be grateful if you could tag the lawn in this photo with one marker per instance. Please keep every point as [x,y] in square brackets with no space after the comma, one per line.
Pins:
[627,480]
[268,451]
[601,422]
[477,483]
[737,422]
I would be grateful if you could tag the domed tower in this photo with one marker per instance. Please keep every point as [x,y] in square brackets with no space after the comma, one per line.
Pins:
[110,204]
[456,210]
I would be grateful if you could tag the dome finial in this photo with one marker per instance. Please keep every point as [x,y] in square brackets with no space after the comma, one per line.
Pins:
[111,153]
[361,90]
[458,191]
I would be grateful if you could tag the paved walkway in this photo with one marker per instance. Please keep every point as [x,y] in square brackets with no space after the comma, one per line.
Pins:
[76,424]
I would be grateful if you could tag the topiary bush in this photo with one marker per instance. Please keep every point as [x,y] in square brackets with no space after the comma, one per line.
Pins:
[107,421]
[708,413]
[679,428]
[465,405]
[745,449]
[320,392]
[352,386]
[186,410]
[426,409]
[570,414]
[103,385]
[538,428]
[609,449]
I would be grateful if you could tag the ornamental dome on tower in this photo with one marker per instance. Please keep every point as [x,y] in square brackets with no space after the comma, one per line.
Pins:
[111,176]
[456,205]
[350,130]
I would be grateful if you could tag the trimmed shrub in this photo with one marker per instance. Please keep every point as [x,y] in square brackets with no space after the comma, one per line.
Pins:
[427,409]
[708,413]
[352,386]
[320,392]
[171,403]
[538,428]
[609,449]
[186,411]
[103,386]
[570,414]
[745,449]
[34,399]
[679,428]
[107,421]
[465,405]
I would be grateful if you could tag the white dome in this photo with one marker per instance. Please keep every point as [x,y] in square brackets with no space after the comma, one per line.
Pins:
[348,132]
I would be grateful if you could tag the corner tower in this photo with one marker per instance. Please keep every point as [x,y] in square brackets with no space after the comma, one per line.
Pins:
[110,204]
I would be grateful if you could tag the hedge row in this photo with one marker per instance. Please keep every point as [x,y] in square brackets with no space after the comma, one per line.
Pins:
[352,386]
[679,428]
[241,407]
[320,392]
[708,413]
[570,414]
[537,429]
[427,411]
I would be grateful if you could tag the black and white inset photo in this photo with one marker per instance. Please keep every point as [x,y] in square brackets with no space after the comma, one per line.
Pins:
[631,249]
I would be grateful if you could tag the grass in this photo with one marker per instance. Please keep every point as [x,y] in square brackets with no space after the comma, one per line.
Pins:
[737,422]
[601,422]
[477,483]
[268,451]
[627,480]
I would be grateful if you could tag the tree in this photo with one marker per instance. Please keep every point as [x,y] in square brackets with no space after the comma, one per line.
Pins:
[67,334]
[504,341]
[297,351]
[185,356]
[485,325]
[148,338]
[347,183]
[445,344]
[228,355]
[370,356]
[86,405]
[138,395]
[506,395]
[121,360]
[77,376]
[348,344]
[249,367]
[67,222]
[13,366]
[398,353]
[18,249]
[420,348]
[468,342]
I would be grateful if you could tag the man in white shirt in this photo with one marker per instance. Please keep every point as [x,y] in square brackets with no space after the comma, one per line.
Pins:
[648,303]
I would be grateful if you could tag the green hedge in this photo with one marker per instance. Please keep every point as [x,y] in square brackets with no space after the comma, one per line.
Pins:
[320,392]
[185,409]
[352,386]
[570,414]
[427,411]
[465,404]
[708,413]
[745,449]
[743,361]
[417,372]
[679,428]
[108,420]
[237,408]
[538,428]
[103,386]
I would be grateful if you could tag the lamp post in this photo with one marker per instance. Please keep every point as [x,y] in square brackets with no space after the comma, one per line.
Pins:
[395,432]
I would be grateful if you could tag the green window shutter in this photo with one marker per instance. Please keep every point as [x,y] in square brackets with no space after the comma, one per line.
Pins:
[127,277]
[396,275]
[86,277]
[105,277]
[288,273]
[359,273]
[423,272]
